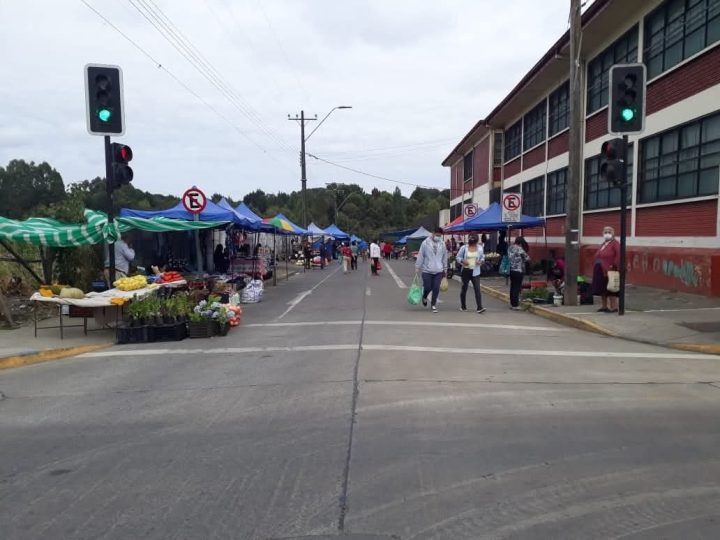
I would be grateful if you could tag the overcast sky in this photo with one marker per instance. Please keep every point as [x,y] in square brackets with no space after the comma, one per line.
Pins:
[418,75]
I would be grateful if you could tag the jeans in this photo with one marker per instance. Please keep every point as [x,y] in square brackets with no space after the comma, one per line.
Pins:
[353,262]
[373,265]
[467,277]
[516,279]
[431,284]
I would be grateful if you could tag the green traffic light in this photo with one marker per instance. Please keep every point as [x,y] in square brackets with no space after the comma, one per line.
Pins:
[104,115]
[627,114]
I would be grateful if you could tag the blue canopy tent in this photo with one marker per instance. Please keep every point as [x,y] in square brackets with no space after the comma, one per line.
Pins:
[244,221]
[212,212]
[402,241]
[356,239]
[491,220]
[336,233]
[297,229]
[244,210]
[398,234]
[314,230]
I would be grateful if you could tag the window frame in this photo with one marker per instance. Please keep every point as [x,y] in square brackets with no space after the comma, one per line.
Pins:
[598,69]
[599,190]
[468,158]
[559,116]
[556,196]
[535,196]
[513,141]
[534,126]
[498,148]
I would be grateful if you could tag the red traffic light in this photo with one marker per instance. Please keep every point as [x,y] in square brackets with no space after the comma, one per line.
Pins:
[612,149]
[121,153]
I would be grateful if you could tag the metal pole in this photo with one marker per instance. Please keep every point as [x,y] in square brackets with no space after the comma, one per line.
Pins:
[109,183]
[303,174]
[623,227]
[274,258]
[287,256]
[196,217]
[572,219]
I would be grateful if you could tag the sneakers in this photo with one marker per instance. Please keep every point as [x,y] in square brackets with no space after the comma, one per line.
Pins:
[515,308]
[434,309]
[425,302]
[481,310]
[463,309]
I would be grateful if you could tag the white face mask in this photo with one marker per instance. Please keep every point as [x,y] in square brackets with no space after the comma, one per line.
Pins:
[607,236]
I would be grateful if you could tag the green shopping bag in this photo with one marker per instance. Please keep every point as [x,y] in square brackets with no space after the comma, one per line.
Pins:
[414,296]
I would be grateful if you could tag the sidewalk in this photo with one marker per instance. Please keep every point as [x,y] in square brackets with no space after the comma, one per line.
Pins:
[655,316]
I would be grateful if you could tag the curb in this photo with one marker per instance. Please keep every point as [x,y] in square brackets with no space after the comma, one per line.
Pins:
[707,348]
[37,357]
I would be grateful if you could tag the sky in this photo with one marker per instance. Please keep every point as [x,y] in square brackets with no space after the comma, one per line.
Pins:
[418,75]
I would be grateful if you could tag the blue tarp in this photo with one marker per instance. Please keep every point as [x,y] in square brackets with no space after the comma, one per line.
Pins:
[333,231]
[244,221]
[399,234]
[491,220]
[244,210]
[402,241]
[212,212]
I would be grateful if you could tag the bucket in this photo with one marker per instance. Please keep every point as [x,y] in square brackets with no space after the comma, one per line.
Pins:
[557,299]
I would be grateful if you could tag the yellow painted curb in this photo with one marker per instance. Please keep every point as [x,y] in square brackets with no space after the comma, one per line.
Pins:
[499,295]
[707,348]
[47,356]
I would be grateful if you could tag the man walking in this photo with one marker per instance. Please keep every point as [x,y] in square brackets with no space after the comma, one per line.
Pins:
[432,262]
[355,252]
[374,257]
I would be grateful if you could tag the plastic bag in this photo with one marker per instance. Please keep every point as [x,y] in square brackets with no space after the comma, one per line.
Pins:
[444,285]
[414,296]
[613,285]
[253,292]
[505,265]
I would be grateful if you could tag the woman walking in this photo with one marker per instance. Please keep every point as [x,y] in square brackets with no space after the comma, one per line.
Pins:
[346,254]
[518,258]
[607,258]
[432,261]
[470,258]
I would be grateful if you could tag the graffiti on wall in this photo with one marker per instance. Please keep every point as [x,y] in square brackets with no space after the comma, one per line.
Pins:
[691,274]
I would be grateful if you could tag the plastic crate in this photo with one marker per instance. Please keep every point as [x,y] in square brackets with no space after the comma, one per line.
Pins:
[169,332]
[131,334]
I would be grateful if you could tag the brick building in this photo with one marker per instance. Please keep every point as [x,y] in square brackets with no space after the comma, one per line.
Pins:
[674,165]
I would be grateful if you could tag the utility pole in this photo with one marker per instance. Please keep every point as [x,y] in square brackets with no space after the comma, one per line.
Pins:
[303,173]
[572,219]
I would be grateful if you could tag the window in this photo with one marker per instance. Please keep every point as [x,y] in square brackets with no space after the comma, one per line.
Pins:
[498,149]
[455,211]
[559,109]
[598,192]
[468,167]
[677,30]
[533,192]
[623,51]
[512,140]
[681,163]
[534,126]
[557,191]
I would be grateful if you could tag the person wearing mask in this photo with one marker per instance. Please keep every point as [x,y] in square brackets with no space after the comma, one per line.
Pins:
[374,257]
[346,254]
[518,258]
[471,258]
[607,258]
[432,262]
[355,252]
[124,255]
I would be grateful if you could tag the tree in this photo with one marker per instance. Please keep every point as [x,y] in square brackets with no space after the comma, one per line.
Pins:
[257,201]
[24,185]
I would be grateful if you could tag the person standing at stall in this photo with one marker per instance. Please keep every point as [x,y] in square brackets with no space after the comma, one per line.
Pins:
[432,262]
[470,258]
[124,255]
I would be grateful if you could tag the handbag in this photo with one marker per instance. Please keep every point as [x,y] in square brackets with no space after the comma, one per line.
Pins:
[505,266]
[444,285]
[613,284]
[414,296]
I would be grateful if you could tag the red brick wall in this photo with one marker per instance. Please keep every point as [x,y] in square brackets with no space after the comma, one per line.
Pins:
[497,174]
[456,181]
[593,223]
[596,126]
[512,168]
[555,226]
[558,145]
[691,219]
[481,163]
[533,233]
[692,78]
[533,157]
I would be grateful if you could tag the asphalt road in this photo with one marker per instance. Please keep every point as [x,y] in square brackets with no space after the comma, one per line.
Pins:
[338,410]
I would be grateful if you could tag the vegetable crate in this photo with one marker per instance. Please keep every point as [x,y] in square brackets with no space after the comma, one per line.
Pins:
[168,332]
[131,334]
[201,329]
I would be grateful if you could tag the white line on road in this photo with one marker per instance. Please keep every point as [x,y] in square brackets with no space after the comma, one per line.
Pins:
[409,323]
[528,353]
[368,292]
[395,276]
[300,297]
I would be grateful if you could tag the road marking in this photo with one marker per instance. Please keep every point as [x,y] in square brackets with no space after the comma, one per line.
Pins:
[527,353]
[300,297]
[395,276]
[651,310]
[410,323]
[368,292]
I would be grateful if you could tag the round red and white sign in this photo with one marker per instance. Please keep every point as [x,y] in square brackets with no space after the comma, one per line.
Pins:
[194,200]
[511,202]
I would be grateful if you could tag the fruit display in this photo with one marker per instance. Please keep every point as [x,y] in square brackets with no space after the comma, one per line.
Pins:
[130,283]
[170,277]
[71,292]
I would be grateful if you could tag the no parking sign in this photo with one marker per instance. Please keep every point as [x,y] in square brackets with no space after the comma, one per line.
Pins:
[511,208]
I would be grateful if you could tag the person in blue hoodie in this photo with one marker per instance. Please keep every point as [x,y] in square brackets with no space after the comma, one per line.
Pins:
[432,262]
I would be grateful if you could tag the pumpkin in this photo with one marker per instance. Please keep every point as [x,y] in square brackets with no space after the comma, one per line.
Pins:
[71,292]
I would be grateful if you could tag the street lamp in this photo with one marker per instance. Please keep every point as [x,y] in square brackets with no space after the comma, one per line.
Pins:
[335,191]
[303,139]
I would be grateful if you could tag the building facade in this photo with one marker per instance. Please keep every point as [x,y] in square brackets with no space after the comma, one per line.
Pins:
[674,165]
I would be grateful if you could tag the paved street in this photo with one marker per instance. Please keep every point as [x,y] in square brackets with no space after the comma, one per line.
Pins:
[338,409]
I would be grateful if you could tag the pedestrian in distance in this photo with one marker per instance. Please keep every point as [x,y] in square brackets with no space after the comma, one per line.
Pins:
[323,254]
[355,252]
[518,258]
[607,258]
[346,254]
[471,258]
[374,257]
[432,262]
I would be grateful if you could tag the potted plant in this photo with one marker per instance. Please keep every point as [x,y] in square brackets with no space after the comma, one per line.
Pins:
[200,323]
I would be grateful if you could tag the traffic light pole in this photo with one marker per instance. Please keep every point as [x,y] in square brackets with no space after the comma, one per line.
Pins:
[110,212]
[623,227]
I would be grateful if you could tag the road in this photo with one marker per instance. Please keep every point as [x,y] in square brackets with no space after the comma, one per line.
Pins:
[338,410]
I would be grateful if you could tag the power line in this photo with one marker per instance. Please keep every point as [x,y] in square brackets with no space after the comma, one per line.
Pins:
[370,174]
[180,82]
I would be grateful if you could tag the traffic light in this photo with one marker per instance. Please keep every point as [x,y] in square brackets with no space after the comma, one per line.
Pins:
[627,98]
[121,173]
[103,98]
[612,161]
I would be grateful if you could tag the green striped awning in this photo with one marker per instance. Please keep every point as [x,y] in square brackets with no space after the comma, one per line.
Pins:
[53,233]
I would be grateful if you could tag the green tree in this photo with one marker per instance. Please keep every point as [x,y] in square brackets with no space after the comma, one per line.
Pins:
[24,185]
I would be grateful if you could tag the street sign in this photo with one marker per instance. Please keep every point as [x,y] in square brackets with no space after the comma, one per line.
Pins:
[470,211]
[194,200]
[511,207]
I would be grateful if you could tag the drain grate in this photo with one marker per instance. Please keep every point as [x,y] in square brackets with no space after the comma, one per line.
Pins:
[709,326]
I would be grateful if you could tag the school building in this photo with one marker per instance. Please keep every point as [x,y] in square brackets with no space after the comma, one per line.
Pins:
[674,165]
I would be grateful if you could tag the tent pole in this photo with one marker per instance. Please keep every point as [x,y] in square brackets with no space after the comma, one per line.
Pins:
[198,251]
[20,260]
[287,269]
[274,261]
